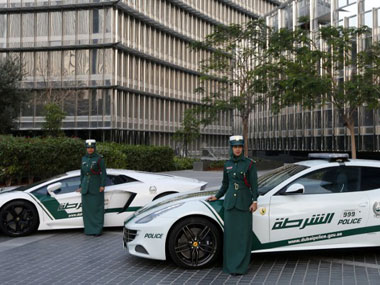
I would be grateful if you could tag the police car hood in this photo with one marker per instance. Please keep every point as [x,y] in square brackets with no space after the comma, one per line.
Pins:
[178,197]
[9,189]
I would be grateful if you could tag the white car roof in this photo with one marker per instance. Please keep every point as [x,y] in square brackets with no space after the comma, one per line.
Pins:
[109,171]
[142,176]
[350,162]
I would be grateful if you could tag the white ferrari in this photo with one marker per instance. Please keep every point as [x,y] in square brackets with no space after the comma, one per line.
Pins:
[330,202]
[54,203]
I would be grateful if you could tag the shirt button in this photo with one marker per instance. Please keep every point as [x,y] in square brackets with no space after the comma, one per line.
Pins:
[234,173]
[235,195]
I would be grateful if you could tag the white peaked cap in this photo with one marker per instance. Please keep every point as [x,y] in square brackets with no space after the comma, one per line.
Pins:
[90,142]
[236,138]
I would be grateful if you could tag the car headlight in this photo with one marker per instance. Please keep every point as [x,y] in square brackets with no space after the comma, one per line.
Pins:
[154,215]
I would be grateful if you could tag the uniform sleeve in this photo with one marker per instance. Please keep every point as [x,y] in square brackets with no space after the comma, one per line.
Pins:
[103,173]
[224,187]
[81,173]
[252,173]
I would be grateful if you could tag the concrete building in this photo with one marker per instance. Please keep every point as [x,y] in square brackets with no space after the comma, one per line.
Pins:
[121,70]
[295,130]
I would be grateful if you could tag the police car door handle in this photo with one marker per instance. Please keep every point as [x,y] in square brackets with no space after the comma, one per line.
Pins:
[365,204]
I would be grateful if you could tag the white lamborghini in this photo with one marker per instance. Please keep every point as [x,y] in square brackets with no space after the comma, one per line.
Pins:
[54,203]
[331,202]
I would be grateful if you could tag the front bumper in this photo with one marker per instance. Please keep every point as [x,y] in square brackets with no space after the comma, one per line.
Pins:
[147,240]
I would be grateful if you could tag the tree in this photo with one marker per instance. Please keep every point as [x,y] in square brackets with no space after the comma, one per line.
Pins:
[11,97]
[232,78]
[189,131]
[337,74]
[53,119]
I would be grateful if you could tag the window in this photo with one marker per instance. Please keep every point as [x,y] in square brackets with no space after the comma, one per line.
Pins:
[370,178]
[330,180]
[118,179]
[68,185]
[270,180]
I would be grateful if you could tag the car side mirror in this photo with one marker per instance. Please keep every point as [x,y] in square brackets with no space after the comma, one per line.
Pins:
[54,187]
[296,188]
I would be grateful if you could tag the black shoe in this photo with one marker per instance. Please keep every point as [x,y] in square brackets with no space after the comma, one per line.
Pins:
[236,274]
[97,235]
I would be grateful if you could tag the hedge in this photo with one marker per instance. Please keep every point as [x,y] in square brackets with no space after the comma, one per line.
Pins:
[24,160]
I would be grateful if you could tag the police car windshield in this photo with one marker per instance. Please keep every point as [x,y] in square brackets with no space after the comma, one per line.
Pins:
[273,178]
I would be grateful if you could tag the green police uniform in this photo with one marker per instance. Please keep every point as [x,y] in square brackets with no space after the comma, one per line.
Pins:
[93,176]
[240,189]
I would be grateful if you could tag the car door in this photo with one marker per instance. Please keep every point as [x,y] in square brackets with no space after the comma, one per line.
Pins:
[64,204]
[331,207]
[370,184]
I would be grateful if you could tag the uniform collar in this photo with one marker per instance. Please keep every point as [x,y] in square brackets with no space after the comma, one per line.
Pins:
[91,155]
[237,158]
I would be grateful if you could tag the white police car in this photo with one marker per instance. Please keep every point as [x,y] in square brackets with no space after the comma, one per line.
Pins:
[330,202]
[54,203]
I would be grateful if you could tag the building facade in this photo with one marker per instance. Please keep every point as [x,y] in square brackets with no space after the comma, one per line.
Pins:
[121,70]
[297,130]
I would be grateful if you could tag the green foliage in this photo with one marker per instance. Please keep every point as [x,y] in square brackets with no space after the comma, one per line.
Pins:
[189,131]
[182,163]
[36,158]
[53,119]
[217,164]
[235,67]
[113,156]
[11,97]
[303,74]
[148,158]
[30,159]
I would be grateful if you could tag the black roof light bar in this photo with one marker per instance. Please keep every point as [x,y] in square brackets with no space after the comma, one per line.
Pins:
[331,157]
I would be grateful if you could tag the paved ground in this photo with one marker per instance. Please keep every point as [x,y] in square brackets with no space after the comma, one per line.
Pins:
[69,257]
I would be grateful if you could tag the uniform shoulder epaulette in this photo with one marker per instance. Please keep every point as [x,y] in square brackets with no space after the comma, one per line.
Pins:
[251,160]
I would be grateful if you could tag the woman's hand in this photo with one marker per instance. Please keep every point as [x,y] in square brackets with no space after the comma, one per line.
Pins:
[253,207]
[101,189]
[211,198]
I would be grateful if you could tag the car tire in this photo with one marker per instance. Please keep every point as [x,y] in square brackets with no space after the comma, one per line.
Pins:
[195,242]
[18,218]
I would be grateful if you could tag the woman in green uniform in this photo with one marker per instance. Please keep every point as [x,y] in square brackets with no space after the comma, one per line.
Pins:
[240,189]
[93,178]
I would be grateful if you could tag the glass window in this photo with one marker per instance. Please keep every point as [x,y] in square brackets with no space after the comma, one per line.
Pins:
[28,64]
[28,30]
[56,28]
[69,185]
[69,22]
[118,179]
[370,178]
[353,21]
[14,30]
[83,66]
[83,27]
[369,4]
[41,66]
[269,180]
[368,19]
[330,180]
[83,103]
[42,28]
[69,104]
[69,62]
[3,30]
[342,3]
